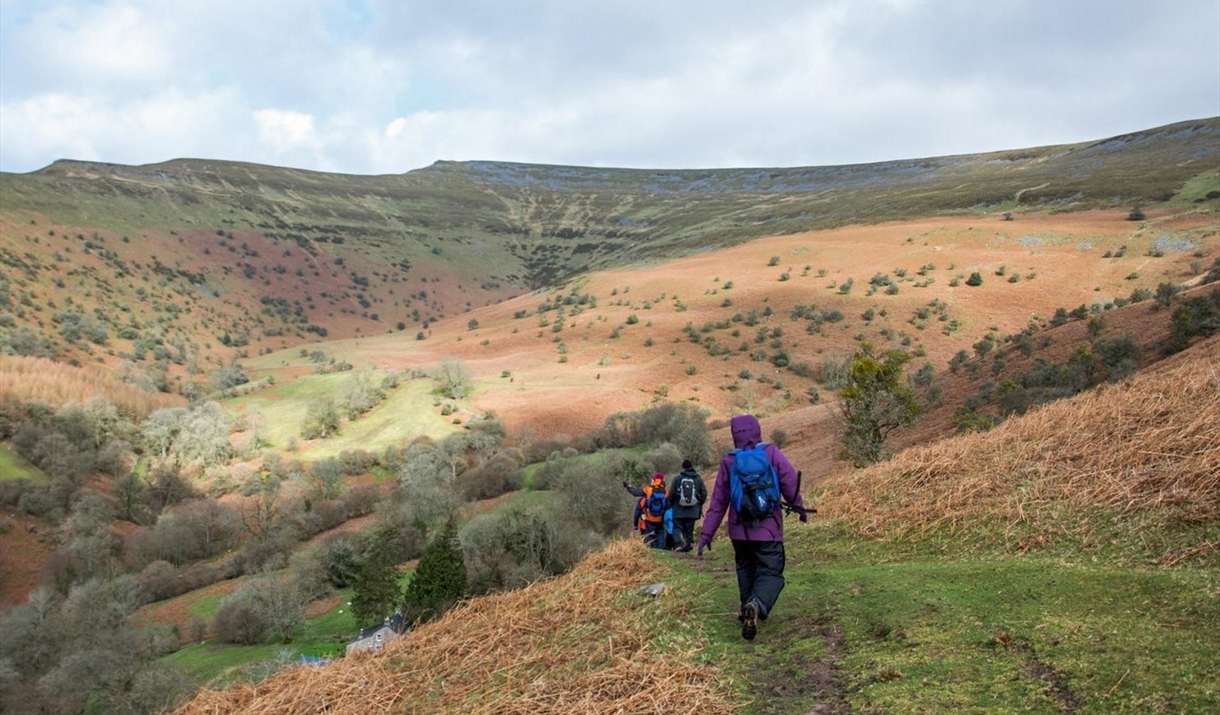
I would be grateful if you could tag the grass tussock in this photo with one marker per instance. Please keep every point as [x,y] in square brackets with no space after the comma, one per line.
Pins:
[31,378]
[580,644]
[1133,461]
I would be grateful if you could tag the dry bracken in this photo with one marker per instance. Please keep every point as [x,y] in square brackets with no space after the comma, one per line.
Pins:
[574,645]
[1148,448]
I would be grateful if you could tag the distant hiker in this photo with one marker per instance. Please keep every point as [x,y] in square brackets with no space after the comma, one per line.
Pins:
[749,485]
[687,493]
[652,507]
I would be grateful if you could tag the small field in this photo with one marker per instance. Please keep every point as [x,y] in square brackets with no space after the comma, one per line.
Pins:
[12,466]
[323,636]
[406,413]
[214,661]
[867,627]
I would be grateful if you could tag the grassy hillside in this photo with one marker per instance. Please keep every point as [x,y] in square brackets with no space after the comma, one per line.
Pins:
[922,587]
[191,260]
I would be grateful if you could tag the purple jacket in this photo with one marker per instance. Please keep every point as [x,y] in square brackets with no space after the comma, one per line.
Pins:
[747,433]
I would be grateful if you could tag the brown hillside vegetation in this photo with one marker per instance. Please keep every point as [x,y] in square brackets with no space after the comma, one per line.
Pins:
[579,644]
[609,364]
[1136,454]
[31,378]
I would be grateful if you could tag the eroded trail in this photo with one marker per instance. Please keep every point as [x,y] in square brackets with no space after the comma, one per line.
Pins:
[795,663]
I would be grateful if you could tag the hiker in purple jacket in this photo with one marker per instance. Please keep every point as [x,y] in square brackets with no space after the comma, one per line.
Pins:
[758,550]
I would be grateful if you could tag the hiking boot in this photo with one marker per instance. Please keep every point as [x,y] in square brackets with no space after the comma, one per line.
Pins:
[749,621]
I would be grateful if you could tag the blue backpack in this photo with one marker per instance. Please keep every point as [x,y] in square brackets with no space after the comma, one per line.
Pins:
[753,485]
[657,503]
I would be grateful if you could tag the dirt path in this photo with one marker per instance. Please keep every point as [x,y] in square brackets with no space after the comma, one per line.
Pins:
[788,677]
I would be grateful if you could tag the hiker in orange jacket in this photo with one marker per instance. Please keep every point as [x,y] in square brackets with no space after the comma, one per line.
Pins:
[652,506]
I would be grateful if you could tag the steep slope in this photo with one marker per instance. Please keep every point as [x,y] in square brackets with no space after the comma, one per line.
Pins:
[1130,468]
[229,254]
[579,644]
[751,327]
[1106,482]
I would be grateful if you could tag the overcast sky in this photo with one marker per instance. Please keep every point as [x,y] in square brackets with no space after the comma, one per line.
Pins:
[385,86]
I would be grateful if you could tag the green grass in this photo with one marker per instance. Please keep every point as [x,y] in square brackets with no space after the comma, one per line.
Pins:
[206,607]
[406,413]
[13,466]
[905,632]
[323,636]
[1193,193]
[216,663]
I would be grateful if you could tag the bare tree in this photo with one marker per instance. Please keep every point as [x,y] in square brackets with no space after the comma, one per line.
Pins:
[453,377]
[259,517]
[281,602]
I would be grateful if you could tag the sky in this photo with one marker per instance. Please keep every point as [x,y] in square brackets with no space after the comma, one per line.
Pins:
[386,86]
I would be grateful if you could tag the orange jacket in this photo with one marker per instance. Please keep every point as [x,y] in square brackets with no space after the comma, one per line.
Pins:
[644,515]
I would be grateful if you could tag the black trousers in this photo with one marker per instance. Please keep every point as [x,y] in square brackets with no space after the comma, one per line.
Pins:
[654,534]
[684,529]
[760,572]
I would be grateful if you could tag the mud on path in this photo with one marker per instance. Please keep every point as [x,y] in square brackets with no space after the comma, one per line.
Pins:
[788,676]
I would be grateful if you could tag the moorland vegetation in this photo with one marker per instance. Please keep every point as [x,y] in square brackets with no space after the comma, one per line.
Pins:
[249,410]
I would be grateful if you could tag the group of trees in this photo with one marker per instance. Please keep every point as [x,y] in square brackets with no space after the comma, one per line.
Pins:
[65,651]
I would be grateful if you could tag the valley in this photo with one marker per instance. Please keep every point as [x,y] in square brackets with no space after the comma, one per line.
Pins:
[233,398]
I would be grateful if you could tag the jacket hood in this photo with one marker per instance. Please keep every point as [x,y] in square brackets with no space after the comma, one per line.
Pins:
[746,431]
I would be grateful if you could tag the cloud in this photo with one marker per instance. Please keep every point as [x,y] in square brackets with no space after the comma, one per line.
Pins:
[39,130]
[379,85]
[284,130]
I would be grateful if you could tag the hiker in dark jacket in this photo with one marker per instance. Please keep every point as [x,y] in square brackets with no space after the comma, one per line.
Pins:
[759,549]
[653,524]
[688,486]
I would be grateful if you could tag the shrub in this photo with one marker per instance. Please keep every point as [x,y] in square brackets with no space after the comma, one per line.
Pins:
[321,419]
[239,621]
[835,371]
[500,475]
[513,547]
[874,403]
[1165,293]
[1195,316]
[975,279]
[157,580]
[356,461]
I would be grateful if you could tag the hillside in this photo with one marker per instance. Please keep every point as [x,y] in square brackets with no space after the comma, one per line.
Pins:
[582,643]
[957,577]
[210,259]
[752,327]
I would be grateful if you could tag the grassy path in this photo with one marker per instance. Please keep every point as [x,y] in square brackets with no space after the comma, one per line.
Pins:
[874,628]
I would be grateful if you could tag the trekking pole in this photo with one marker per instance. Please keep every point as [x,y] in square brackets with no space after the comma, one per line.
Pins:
[794,509]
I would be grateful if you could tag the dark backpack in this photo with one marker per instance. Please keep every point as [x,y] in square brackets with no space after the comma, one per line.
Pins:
[687,494]
[753,485]
[656,503]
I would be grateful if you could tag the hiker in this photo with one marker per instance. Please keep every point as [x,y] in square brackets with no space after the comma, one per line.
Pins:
[687,493]
[749,485]
[652,510]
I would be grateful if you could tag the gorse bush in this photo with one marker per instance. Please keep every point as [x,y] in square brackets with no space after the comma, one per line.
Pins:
[1195,316]
[875,402]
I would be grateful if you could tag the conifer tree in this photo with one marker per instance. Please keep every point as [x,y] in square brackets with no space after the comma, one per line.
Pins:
[439,580]
[375,586]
